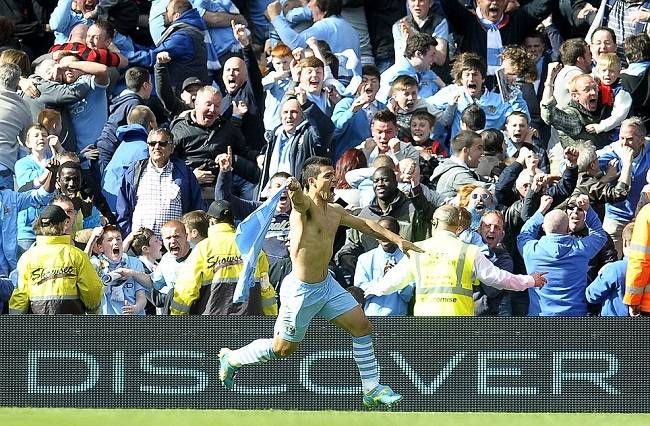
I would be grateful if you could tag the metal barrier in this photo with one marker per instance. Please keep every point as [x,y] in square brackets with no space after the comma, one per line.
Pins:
[438,364]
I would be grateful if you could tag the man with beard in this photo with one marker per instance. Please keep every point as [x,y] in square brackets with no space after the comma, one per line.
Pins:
[183,40]
[311,290]
[353,116]
[456,171]
[412,211]
[583,109]
[305,131]
[577,227]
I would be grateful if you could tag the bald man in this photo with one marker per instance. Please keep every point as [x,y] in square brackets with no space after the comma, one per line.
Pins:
[244,95]
[564,256]
[445,273]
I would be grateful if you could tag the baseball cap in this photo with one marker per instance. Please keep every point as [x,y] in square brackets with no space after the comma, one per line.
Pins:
[190,81]
[52,215]
[220,210]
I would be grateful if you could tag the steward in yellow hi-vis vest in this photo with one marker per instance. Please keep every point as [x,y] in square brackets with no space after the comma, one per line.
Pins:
[445,272]
[206,282]
[55,277]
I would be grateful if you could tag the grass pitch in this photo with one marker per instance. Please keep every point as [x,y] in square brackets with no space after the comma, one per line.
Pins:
[91,417]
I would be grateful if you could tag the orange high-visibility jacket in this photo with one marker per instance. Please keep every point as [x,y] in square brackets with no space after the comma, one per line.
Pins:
[637,279]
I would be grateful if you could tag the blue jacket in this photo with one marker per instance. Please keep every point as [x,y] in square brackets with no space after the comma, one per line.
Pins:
[335,30]
[128,196]
[132,140]
[496,110]
[185,41]
[12,202]
[63,19]
[566,259]
[624,211]
[426,80]
[608,289]
[351,128]
[118,112]
[27,169]
[370,268]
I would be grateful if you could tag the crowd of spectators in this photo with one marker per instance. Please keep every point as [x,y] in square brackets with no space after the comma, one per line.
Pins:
[135,135]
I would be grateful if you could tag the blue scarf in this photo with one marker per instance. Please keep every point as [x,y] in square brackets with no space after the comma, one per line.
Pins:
[494,43]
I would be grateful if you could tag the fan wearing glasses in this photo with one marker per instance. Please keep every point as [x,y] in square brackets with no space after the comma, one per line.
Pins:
[576,210]
[157,189]
[565,256]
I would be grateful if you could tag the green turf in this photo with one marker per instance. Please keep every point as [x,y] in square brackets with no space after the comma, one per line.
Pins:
[78,417]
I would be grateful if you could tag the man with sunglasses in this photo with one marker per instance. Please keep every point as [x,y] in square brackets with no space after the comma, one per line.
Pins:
[157,189]
[565,257]
[576,209]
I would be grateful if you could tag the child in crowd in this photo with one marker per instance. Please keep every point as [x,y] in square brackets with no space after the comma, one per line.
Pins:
[608,288]
[353,116]
[31,168]
[52,121]
[147,246]
[196,226]
[276,84]
[431,151]
[403,103]
[612,96]
[123,276]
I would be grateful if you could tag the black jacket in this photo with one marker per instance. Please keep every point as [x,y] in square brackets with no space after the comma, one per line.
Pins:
[413,213]
[515,26]
[199,146]
[252,94]
[639,88]
[170,100]
[381,14]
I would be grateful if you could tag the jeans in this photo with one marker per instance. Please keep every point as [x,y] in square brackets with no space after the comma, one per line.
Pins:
[244,189]
[514,304]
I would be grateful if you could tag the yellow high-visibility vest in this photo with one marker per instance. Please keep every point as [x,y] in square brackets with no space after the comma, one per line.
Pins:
[444,277]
